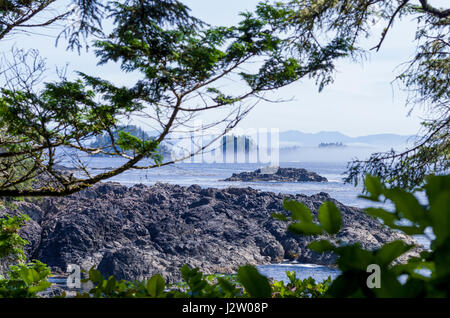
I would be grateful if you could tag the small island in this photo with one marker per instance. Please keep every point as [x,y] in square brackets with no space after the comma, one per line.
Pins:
[331,145]
[278,174]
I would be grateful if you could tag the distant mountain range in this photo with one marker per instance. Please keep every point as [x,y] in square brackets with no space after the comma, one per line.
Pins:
[294,138]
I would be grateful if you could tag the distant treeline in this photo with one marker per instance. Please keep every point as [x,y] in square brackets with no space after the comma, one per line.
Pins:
[104,141]
[331,144]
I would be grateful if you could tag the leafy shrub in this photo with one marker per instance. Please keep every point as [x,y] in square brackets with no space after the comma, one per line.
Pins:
[28,279]
[21,280]
[25,280]
[248,282]
[297,288]
[410,217]
[195,285]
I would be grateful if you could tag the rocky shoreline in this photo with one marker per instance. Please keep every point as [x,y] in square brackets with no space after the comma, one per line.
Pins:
[277,174]
[135,232]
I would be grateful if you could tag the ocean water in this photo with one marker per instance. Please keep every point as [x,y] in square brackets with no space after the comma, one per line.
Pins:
[210,175]
[302,271]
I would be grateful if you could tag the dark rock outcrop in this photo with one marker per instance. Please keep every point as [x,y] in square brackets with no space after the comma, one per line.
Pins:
[277,174]
[136,232]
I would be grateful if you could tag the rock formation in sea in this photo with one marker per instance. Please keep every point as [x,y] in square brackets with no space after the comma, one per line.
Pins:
[135,232]
[277,174]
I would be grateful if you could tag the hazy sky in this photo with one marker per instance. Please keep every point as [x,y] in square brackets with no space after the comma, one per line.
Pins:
[361,101]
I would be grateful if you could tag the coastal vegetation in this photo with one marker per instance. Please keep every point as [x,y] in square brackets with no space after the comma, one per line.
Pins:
[179,64]
[424,275]
[178,59]
[30,279]
[103,142]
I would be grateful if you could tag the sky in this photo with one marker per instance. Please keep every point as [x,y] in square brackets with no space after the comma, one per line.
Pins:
[361,101]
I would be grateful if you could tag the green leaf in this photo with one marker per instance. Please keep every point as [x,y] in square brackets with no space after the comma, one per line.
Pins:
[226,285]
[409,230]
[127,141]
[373,186]
[321,246]
[391,251]
[353,257]
[387,217]
[280,217]
[255,284]
[367,197]
[299,210]
[330,217]
[156,285]
[303,228]
[440,217]
[95,276]
[435,185]
[40,287]
[292,276]
[390,286]
[407,205]
[110,285]
[185,272]
[194,279]
[29,276]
